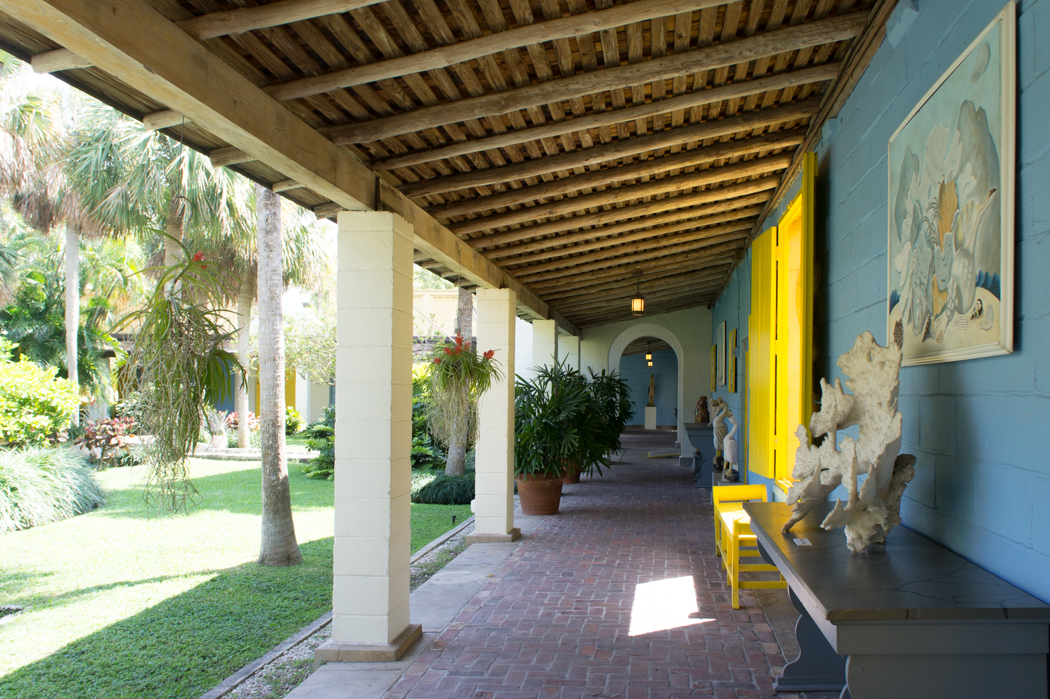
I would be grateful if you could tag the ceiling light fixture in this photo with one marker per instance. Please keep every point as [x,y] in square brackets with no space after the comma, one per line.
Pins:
[638,302]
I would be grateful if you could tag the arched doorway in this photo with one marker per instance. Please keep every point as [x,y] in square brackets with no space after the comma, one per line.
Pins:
[665,336]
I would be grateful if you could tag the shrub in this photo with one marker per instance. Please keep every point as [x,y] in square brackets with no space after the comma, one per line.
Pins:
[39,485]
[109,442]
[320,437]
[35,404]
[293,421]
[446,490]
[232,419]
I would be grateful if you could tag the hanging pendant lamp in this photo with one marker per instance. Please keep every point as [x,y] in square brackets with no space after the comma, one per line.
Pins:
[638,302]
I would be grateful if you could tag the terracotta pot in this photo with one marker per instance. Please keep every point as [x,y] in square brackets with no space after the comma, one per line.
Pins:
[540,495]
[573,474]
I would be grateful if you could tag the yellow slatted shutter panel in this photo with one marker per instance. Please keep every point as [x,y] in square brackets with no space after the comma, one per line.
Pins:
[760,386]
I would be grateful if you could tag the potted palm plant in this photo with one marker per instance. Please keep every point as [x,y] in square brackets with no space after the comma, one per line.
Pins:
[610,411]
[549,417]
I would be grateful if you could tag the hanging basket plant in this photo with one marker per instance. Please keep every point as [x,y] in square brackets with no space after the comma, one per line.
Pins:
[458,376]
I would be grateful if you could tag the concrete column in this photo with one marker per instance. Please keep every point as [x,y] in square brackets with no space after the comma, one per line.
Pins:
[373,439]
[544,342]
[494,455]
[569,349]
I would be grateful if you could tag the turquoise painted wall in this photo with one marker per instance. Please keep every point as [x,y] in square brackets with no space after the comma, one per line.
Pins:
[977,427]
[665,371]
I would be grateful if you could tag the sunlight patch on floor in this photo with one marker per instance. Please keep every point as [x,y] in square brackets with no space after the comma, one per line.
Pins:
[664,604]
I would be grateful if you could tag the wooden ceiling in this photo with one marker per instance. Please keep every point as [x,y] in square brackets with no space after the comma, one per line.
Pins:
[582,146]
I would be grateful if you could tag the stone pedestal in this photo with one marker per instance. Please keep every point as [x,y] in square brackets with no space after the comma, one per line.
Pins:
[650,417]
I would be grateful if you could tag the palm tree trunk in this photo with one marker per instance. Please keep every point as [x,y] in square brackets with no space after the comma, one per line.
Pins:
[244,317]
[72,305]
[278,531]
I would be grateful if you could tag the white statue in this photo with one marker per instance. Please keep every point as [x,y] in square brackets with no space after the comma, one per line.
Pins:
[730,451]
[873,509]
[718,426]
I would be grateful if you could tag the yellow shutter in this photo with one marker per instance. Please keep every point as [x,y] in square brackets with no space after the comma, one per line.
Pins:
[780,336]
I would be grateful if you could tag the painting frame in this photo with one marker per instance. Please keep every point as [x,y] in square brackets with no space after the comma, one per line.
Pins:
[952,299]
[720,342]
[731,362]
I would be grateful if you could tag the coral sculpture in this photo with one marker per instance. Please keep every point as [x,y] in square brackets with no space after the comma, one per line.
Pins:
[873,509]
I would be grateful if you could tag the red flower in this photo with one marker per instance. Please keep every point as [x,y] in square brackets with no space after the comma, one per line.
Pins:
[437,360]
[489,354]
[448,350]
[198,257]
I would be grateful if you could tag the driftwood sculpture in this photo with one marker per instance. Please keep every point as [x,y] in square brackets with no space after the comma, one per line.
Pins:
[873,508]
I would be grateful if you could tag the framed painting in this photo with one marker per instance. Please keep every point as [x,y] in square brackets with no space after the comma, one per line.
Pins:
[714,368]
[731,361]
[951,208]
[720,343]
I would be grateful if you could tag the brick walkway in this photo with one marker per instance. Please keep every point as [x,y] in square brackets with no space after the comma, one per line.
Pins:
[556,620]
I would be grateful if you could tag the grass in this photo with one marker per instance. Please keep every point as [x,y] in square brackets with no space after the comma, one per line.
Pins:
[123,603]
[431,521]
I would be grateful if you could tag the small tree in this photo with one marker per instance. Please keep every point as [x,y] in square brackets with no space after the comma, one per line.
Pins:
[458,377]
[309,344]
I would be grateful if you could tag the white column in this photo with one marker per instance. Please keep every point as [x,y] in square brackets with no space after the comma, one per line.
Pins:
[494,455]
[373,438]
[569,349]
[544,342]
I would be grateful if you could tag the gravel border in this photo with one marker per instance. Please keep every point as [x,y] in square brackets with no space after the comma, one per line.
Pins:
[284,667]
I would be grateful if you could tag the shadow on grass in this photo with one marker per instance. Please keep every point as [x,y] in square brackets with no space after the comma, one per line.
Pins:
[186,645]
[236,492]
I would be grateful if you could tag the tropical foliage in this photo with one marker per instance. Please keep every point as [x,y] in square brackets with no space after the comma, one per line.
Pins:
[35,405]
[41,485]
[457,376]
[320,437]
[108,442]
[446,490]
[309,344]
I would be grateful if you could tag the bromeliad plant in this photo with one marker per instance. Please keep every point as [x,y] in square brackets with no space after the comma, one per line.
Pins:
[458,377]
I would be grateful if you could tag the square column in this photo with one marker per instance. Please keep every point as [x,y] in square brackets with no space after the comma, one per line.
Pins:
[544,342]
[569,349]
[373,441]
[494,455]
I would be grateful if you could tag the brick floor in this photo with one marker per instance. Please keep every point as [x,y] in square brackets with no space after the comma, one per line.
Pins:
[555,621]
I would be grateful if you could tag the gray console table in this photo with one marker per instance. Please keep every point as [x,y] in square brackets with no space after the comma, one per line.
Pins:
[909,619]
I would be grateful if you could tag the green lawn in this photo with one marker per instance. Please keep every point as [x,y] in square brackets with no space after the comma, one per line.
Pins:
[122,602]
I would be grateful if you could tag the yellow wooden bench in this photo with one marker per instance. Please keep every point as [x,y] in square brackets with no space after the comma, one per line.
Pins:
[735,542]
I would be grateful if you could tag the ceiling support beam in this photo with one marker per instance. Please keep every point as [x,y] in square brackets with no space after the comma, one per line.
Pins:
[625,173]
[629,215]
[695,262]
[616,195]
[563,28]
[628,285]
[618,242]
[57,61]
[604,255]
[664,294]
[246,19]
[620,149]
[135,43]
[596,237]
[768,44]
[795,78]
[164,119]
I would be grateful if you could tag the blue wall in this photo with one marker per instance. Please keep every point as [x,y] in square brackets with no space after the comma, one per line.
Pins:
[977,427]
[733,307]
[665,369]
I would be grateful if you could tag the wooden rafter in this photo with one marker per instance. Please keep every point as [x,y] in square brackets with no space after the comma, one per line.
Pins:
[826,31]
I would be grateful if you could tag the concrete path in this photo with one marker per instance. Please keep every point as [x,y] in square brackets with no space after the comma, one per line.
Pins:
[619,595]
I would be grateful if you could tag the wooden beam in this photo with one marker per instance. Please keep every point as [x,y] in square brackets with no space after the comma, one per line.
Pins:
[628,285]
[679,242]
[666,185]
[651,297]
[622,149]
[221,157]
[57,61]
[617,241]
[246,19]
[624,173]
[164,119]
[536,249]
[825,31]
[689,100]
[727,242]
[629,215]
[328,210]
[592,319]
[697,262]
[442,57]
[133,42]
[285,186]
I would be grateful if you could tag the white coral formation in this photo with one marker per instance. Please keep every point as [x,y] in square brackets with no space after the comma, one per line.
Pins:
[873,509]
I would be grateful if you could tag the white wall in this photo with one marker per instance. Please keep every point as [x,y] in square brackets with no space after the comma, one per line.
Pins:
[692,329]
